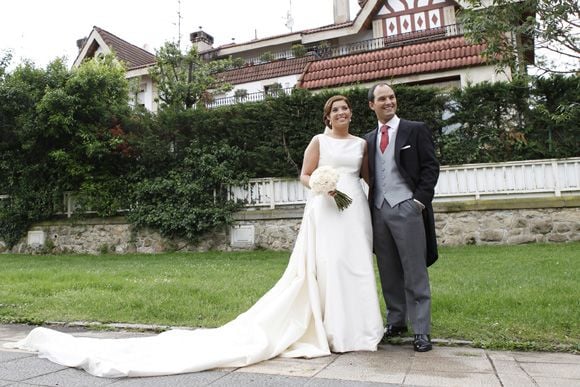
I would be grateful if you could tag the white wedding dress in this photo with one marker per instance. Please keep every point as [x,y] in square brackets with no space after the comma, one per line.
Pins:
[325,301]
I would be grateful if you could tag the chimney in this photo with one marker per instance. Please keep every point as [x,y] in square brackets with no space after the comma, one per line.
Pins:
[341,11]
[201,40]
[81,43]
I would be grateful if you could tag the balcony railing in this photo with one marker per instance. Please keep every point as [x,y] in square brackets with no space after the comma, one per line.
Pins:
[391,41]
[324,50]
[250,97]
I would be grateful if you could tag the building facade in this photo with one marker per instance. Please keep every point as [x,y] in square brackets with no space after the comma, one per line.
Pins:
[399,41]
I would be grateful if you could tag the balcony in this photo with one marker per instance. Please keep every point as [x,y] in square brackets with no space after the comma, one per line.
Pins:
[250,97]
[324,51]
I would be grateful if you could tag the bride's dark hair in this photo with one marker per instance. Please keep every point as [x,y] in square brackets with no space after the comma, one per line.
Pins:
[328,107]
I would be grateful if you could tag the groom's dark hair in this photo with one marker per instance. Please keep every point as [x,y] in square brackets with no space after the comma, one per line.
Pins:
[371,95]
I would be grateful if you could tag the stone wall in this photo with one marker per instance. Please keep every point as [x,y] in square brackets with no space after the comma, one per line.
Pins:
[513,221]
[508,227]
[109,235]
[477,222]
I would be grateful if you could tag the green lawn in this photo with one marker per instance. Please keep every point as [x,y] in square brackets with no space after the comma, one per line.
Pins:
[524,297]
[509,296]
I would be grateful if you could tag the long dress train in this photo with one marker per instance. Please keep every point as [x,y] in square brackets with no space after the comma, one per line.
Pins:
[326,300]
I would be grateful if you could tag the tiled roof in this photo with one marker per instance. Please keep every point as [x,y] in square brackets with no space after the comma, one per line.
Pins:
[295,33]
[279,68]
[410,59]
[132,55]
[328,27]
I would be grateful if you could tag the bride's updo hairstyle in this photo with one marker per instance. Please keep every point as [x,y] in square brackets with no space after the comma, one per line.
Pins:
[328,107]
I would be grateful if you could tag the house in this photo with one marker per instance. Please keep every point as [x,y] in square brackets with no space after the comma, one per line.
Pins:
[138,61]
[399,41]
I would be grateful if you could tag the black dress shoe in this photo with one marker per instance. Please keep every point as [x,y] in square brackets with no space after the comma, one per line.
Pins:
[422,343]
[392,331]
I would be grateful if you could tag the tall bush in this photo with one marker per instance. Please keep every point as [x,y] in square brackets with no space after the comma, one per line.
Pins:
[191,198]
[61,131]
[491,123]
[554,119]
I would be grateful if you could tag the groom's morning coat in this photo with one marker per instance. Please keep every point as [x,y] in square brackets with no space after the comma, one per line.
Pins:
[415,158]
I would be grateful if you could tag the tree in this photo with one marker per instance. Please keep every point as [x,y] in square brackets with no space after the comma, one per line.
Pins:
[26,174]
[84,121]
[61,130]
[512,30]
[185,79]
[5,58]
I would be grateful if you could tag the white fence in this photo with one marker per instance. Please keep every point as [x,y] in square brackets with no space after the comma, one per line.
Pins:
[536,178]
[512,179]
[270,192]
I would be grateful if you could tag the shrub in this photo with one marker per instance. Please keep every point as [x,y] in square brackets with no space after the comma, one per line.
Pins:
[267,57]
[190,199]
[298,50]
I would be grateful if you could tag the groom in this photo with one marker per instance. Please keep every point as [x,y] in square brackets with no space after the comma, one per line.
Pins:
[403,174]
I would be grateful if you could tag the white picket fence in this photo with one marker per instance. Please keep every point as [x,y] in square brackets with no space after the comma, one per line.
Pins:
[512,179]
[533,178]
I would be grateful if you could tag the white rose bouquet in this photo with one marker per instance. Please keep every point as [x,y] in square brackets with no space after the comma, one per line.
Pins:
[323,181]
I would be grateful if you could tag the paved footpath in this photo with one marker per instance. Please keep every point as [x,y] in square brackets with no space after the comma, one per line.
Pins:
[391,365]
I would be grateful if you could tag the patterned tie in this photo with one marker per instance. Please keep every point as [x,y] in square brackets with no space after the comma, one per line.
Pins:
[384,138]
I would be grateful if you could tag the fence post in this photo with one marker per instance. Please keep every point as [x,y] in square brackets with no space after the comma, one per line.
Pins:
[557,187]
[68,203]
[272,198]
[477,192]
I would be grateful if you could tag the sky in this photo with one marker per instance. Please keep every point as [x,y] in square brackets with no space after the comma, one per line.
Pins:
[42,30]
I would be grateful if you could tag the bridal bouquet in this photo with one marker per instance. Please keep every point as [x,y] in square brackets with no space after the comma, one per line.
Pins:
[323,181]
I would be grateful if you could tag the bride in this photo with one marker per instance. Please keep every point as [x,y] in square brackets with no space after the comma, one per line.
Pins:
[326,300]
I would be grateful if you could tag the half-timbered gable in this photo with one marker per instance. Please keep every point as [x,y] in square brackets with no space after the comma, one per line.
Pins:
[407,16]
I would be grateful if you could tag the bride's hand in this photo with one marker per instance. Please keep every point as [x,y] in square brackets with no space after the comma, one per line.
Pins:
[332,193]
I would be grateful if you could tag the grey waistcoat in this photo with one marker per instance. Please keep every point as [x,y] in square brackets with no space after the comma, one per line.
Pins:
[389,184]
